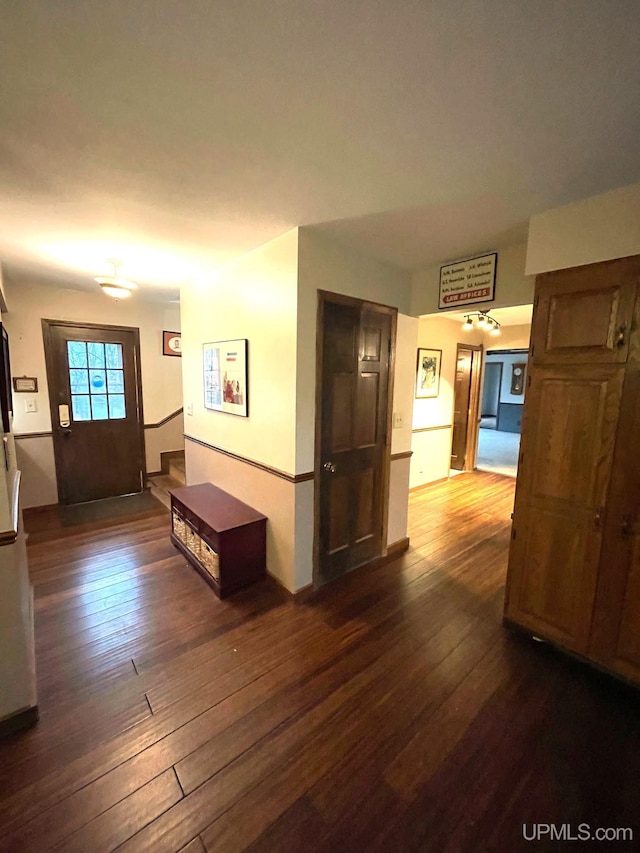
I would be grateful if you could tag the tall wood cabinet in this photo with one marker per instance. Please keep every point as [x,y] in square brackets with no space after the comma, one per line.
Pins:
[574,562]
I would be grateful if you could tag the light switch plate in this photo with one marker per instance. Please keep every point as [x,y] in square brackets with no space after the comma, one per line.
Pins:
[189,408]
[31,405]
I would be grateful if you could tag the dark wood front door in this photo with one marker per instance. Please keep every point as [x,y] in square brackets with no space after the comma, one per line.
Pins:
[353,459]
[465,407]
[96,409]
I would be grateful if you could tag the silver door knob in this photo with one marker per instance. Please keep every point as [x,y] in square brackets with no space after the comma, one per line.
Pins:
[330,467]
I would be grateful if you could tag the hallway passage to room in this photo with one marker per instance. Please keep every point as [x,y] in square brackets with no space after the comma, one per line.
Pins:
[389,711]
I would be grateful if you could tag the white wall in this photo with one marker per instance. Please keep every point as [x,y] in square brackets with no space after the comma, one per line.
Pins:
[599,228]
[513,287]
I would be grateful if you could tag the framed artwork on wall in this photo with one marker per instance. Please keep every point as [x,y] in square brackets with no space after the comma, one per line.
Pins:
[428,373]
[225,377]
[171,343]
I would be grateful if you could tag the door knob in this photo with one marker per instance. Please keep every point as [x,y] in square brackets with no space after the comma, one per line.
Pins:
[330,467]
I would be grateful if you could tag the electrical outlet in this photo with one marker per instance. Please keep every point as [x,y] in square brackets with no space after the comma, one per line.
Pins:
[31,405]
[398,420]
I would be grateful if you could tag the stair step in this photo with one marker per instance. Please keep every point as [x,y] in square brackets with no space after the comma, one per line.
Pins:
[177,470]
[160,485]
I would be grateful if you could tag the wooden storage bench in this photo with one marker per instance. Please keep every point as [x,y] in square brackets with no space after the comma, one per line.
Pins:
[223,538]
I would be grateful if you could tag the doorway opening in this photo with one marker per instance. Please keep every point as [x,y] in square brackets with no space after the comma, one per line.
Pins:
[501,407]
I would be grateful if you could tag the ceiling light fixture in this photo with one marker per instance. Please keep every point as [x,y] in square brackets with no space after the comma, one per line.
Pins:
[114,285]
[483,321]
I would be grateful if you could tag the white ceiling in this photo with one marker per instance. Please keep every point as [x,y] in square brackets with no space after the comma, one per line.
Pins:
[177,135]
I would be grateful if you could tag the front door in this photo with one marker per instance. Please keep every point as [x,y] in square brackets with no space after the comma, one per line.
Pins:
[354,440]
[96,409]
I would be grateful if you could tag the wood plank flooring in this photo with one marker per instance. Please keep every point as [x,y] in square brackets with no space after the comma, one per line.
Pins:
[390,712]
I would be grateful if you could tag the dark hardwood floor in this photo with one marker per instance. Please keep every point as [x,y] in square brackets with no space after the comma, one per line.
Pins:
[391,712]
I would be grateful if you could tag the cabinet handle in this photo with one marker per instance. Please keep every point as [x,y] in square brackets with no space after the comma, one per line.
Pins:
[621,335]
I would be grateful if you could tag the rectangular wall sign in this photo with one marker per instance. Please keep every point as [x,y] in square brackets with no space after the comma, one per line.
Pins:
[467,282]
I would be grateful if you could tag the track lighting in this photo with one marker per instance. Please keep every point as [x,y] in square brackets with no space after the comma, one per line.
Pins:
[483,321]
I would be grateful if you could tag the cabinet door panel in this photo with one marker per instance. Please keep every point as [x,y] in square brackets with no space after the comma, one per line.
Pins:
[569,430]
[615,641]
[584,315]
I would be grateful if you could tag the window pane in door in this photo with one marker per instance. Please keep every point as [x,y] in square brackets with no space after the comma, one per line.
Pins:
[77,353]
[115,379]
[79,381]
[95,353]
[98,379]
[80,407]
[99,407]
[117,407]
[113,353]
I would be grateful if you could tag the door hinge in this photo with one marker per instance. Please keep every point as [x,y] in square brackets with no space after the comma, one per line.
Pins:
[529,381]
[513,533]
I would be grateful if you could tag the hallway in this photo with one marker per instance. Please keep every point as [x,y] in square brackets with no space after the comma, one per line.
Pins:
[392,711]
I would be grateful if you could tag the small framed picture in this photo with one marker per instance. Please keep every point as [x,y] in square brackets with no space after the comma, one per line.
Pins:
[25,384]
[428,373]
[171,343]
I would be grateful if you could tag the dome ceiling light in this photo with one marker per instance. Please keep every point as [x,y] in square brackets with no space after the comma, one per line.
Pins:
[483,321]
[114,285]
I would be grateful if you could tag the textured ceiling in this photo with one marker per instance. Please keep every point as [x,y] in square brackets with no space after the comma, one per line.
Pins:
[177,135]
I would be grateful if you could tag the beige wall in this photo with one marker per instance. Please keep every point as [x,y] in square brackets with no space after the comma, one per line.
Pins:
[253,297]
[512,337]
[161,375]
[432,418]
[599,228]
[269,296]
[327,265]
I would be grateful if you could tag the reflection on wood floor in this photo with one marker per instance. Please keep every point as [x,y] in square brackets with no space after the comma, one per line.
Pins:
[391,712]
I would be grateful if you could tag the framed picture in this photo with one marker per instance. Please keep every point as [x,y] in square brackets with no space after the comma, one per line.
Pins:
[428,373]
[25,384]
[517,378]
[171,343]
[225,377]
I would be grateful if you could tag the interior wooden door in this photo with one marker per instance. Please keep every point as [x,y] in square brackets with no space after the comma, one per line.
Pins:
[96,410]
[466,407]
[353,460]
[569,431]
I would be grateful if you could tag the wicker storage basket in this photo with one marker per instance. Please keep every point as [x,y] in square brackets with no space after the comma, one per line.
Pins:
[179,526]
[210,560]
